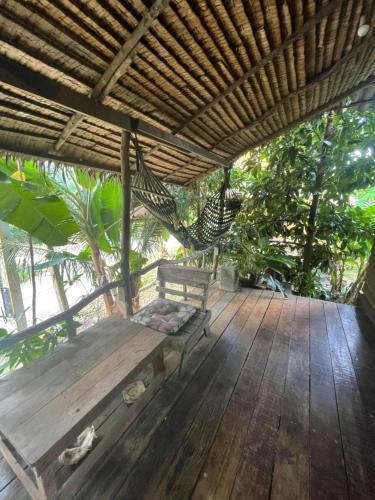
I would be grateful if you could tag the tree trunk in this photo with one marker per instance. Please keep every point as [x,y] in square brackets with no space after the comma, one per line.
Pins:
[353,292]
[101,277]
[33,280]
[311,224]
[58,285]
[11,278]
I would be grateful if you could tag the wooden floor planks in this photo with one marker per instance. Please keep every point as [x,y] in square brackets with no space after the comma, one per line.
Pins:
[357,432]
[278,404]
[182,472]
[181,415]
[327,472]
[256,461]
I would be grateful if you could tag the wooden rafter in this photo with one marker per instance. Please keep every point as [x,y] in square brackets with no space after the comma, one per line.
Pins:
[27,152]
[125,56]
[117,68]
[69,128]
[22,78]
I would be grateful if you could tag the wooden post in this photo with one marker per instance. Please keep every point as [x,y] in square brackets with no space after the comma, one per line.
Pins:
[70,325]
[184,287]
[126,225]
[215,261]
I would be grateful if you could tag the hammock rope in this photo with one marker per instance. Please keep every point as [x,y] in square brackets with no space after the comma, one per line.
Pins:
[214,221]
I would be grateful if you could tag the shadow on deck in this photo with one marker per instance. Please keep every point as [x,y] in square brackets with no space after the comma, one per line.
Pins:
[278,403]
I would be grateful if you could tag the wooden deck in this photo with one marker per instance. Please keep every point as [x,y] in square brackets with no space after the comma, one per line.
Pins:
[278,404]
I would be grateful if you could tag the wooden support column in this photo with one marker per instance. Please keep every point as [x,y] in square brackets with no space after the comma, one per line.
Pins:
[215,262]
[126,224]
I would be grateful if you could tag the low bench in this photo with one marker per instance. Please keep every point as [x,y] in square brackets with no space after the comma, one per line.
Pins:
[45,406]
[198,325]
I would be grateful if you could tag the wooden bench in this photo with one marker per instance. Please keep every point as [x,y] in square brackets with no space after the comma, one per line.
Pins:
[198,325]
[46,405]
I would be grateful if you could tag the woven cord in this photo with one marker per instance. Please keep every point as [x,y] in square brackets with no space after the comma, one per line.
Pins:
[214,221]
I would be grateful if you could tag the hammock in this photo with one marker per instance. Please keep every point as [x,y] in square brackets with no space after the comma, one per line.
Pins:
[214,221]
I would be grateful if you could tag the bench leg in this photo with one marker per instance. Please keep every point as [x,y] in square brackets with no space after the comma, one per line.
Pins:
[46,484]
[158,364]
[207,331]
[20,472]
[181,367]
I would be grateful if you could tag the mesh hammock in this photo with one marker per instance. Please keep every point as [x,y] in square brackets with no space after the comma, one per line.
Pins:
[213,222]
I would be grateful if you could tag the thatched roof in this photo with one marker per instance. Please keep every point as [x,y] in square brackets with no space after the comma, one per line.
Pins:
[225,75]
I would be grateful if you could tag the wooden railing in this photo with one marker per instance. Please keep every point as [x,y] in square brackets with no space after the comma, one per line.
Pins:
[68,315]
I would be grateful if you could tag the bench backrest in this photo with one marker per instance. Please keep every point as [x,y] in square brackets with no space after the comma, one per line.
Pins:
[181,275]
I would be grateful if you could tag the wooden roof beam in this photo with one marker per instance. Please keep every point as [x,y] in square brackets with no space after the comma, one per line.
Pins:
[20,77]
[125,56]
[325,11]
[28,152]
[117,68]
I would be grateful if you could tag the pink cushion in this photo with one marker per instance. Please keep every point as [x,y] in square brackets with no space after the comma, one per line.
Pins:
[164,315]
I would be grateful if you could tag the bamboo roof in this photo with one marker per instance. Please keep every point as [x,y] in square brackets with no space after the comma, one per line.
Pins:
[224,75]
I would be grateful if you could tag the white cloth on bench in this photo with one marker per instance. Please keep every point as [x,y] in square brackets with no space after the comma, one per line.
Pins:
[81,447]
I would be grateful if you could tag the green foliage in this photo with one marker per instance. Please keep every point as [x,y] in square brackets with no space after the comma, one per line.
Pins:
[105,211]
[180,253]
[137,261]
[148,235]
[22,353]
[257,260]
[72,201]
[282,178]
[44,216]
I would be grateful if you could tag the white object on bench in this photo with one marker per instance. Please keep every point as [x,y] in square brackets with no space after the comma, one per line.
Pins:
[82,446]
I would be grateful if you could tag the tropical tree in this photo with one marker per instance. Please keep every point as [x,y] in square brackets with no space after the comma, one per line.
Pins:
[73,206]
[300,196]
[9,277]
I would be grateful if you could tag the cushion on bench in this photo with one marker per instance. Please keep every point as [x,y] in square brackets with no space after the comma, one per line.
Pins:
[164,315]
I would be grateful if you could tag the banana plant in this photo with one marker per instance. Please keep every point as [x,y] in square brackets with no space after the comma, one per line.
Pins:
[73,206]
[67,207]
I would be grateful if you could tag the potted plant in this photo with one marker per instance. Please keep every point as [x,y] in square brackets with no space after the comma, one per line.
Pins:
[259,263]
[229,276]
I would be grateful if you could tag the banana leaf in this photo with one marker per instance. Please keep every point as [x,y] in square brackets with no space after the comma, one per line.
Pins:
[46,218]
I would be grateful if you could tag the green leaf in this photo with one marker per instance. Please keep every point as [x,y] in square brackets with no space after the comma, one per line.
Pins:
[46,218]
[3,332]
[58,258]
[85,179]
[105,210]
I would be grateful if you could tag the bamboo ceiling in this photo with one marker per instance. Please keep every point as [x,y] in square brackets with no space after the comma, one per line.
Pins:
[226,75]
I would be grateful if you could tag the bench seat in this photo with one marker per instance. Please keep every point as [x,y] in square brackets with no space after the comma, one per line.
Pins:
[199,280]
